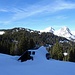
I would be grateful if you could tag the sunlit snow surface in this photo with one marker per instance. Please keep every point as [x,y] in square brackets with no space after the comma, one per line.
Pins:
[2,32]
[39,66]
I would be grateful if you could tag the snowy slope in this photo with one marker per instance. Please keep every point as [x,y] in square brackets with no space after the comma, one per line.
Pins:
[49,29]
[2,32]
[39,66]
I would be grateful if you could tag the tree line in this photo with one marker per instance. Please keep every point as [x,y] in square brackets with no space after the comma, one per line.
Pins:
[63,51]
[16,41]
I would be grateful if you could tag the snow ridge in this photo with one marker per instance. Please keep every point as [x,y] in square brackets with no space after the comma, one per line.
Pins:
[49,29]
[63,32]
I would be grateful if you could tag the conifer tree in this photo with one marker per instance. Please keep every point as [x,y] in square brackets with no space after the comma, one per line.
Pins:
[23,45]
[72,54]
[57,51]
[31,44]
[12,48]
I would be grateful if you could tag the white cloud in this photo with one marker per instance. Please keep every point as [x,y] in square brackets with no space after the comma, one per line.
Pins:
[3,10]
[42,8]
[5,22]
[61,5]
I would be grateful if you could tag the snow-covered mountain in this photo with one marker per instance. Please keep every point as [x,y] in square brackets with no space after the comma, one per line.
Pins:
[49,29]
[63,32]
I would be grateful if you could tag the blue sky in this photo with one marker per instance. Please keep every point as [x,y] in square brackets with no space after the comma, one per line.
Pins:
[37,14]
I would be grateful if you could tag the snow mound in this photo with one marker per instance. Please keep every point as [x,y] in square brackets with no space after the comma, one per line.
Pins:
[40,54]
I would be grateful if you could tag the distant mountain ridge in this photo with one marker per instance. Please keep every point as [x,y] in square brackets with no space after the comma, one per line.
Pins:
[49,29]
[63,32]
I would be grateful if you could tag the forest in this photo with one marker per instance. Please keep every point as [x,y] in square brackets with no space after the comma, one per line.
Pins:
[17,40]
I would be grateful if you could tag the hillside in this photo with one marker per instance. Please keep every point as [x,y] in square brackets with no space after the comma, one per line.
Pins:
[10,66]
[18,40]
[44,36]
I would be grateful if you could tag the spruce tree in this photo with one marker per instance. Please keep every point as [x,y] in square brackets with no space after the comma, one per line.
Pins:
[31,44]
[72,54]
[23,45]
[12,48]
[57,51]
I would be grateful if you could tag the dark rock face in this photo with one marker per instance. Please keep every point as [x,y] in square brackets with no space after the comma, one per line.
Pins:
[26,56]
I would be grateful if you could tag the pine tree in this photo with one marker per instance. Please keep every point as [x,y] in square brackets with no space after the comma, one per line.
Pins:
[12,48]
[23,45]
[57,51]
[31,44]
[72,54]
